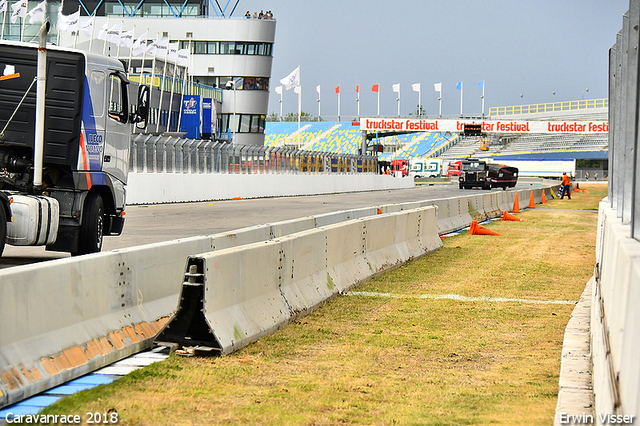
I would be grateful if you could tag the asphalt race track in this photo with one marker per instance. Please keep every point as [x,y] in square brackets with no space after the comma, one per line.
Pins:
[164,222]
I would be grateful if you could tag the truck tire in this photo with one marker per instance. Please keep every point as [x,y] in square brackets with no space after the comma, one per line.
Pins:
[92,227]
[3,228]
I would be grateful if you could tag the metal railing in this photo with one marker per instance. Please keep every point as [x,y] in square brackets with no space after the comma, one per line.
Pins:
[549,107]
[170,154]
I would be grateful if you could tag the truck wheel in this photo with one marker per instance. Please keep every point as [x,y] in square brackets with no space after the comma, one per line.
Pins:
[3,228]
[92,227]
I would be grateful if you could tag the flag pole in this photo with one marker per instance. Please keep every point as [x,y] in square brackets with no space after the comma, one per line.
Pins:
[93,29]
[119,39]
[461,89]
[22,30]
[75,39]
[144,54]
[299,98]
[318,90]
[173,86]
[131,48]
[164,74]
[184,83]
[104,46]
[482,98]
[4,17]
[358,99]
[153,75]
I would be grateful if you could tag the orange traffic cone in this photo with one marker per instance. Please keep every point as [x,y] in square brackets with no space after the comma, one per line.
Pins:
[532,202]
[516,205]
[544,198]
[576,189]
[584,190]
[476,229]
[508,216]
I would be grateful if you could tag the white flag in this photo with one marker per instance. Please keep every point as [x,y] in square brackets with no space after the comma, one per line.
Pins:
[87,26]
[396,87]
[126,39]
[438,87]
[102,35]
[3,6]
[183,57]
[19,10]
[279,90]
[36,15]
[416,87]
[318,89]
[297,89]
[292,80]
[161,48]
[68,23]
[173,52]
[140,45]
[113,35]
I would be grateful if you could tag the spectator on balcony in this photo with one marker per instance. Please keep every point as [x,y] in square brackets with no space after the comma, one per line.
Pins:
[247,15]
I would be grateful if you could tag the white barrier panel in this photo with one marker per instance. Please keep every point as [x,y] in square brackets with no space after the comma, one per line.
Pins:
[615,322]
[344,215]
[150,188]
[253,290]
[503,201]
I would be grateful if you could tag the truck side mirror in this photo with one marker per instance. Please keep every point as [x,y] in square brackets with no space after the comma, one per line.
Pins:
[142,109]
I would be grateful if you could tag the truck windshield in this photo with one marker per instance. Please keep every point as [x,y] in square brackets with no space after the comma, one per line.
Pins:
[474,166]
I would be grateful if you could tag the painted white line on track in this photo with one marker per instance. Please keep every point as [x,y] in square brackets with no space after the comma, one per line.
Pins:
[460,298]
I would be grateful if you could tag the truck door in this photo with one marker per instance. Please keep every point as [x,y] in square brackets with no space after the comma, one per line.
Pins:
[116,146]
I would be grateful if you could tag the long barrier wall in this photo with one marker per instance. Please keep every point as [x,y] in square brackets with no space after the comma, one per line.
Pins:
[615,318]
[63,318]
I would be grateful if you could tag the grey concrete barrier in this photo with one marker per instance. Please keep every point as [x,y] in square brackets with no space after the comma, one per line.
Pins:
[231,298]
[615,318]
[64,318]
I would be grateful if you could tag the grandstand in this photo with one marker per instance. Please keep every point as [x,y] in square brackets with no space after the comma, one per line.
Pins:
[344,137]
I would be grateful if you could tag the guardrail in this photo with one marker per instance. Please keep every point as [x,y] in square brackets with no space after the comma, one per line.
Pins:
[163,153]
[63,318]
[549,107]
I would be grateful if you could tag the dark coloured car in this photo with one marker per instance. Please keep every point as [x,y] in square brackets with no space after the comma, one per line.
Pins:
[478,173]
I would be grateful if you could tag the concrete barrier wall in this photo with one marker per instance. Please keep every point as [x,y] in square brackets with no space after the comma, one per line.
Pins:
[252,290]
[615,318]
[64,318]
[150,188]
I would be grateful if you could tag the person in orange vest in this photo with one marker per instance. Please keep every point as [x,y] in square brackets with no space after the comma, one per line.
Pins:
[566,186]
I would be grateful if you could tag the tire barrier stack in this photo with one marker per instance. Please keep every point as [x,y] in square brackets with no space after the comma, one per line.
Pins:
[64,318]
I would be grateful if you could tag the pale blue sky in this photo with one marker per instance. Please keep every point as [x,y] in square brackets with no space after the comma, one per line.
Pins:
[528,48]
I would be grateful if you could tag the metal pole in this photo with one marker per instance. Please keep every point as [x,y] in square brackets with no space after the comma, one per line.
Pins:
[40,94]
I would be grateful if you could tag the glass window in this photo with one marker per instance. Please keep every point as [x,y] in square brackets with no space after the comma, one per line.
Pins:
[200,47]
[213,47]
[260,49]
[117,99]
[96,88]
[251,49]
[245,123]
[254,123]
[261,122]
[249,83]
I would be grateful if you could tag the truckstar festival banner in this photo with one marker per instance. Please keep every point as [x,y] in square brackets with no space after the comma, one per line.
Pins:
[488,126]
